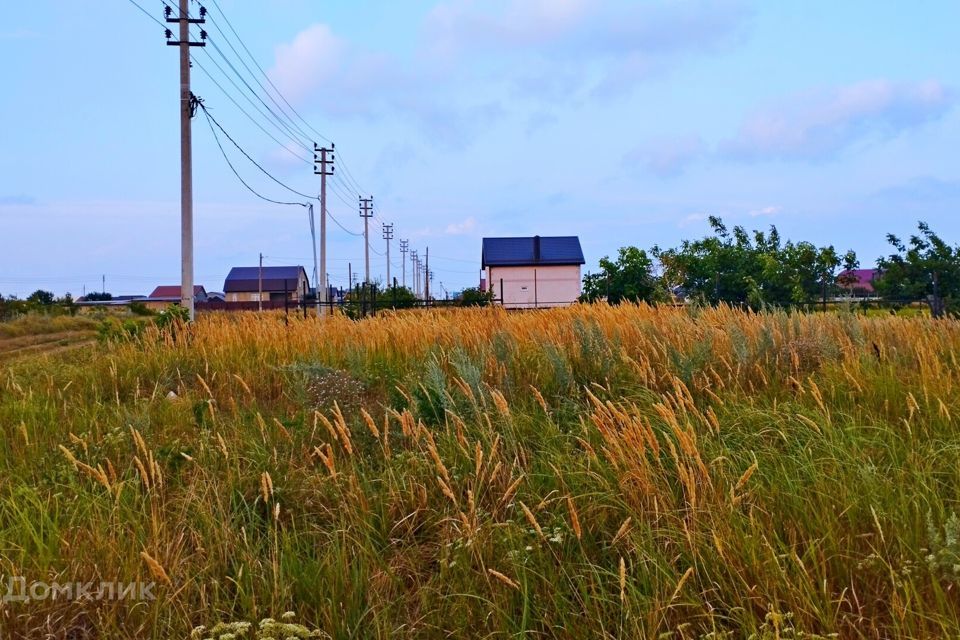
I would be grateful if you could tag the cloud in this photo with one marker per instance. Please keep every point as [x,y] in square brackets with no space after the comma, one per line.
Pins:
[819,124]
[303,65]
[456,26]
[692,218]
[765,211]
[667,156]
[19,199]
[623,43]
[538,120]
[461,228]
[923,196]
[19,34]
[319,69]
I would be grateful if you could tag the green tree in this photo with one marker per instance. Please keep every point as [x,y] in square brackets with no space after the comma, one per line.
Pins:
[396,297]
[757,269]
[628,279]
[847,277]
[41,297]
[925,267]
[474,297]
[99,296]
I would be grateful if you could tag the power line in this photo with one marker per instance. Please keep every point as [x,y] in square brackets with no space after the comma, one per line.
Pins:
[349,180]
[269,81]
[254,77]
[353,233]
[276,119]
[244,112]
[280,129]
[232,168]
[255,163]
[147,13]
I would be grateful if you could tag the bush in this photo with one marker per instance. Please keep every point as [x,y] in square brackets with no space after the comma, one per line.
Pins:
[474,297]
[138,308]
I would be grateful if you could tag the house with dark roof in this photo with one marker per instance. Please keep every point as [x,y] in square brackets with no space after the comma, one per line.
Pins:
[533,272]
[165,295]
[248,284]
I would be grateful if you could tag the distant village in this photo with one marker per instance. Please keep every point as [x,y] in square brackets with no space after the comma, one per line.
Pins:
[533,272]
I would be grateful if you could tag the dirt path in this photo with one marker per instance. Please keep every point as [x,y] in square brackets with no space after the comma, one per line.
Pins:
[48,343]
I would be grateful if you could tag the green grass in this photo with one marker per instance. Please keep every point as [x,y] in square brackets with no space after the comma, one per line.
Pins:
[767,476]
[39,324]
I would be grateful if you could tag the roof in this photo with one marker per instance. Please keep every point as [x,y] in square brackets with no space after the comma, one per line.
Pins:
[862,278]
[173,291]
[536,250]
[274,279]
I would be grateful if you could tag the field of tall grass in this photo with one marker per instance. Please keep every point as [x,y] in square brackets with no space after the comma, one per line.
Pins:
[591,472]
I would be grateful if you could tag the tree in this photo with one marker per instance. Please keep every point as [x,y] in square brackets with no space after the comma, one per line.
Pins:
[629,279]
[99,296]
[736,267]
[397,298]
[41,297]
[847,277]
[925,267]
[474,297]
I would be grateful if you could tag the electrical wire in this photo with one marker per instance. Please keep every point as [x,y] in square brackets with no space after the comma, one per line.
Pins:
[244,112]
[267,77]
[282,132]
[337,222]
[147,13]
[342,183]
[206,112]
[277,120]
[254,77]
[232,168]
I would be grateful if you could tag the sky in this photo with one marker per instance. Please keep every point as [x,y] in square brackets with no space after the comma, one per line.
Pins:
[622,122]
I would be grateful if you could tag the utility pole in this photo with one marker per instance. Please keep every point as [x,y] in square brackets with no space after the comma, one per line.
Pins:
[316,272]
[325,169]
[413,275]
[388,236]
[366,211]
[103,283]
[404,247]
[188,108]
[260,285]
[426,278]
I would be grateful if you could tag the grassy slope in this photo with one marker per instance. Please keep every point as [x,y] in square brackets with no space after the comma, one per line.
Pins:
[591,472]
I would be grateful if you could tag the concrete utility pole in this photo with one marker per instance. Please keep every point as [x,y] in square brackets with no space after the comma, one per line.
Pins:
[426,278]
[188,107]
[326,168]
[260,285]
[413,274]
[366,211]
[404,247]
[388,236]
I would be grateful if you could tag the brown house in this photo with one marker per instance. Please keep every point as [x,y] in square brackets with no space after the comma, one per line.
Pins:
[166,295]
[245,284]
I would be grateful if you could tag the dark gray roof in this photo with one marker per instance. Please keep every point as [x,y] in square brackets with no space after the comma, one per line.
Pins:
[536,250]
[275,279]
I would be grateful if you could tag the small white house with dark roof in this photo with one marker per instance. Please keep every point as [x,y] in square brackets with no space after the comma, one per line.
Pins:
[533,272]
[248,284]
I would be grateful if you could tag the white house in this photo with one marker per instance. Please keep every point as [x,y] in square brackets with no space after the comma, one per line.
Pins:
[530,273]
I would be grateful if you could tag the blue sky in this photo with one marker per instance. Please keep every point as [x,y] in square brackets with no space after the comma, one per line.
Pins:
[621,122]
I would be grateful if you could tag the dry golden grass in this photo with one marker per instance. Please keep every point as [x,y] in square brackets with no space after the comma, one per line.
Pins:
[587,472]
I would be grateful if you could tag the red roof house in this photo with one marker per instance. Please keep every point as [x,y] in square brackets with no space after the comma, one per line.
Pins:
[858,280]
